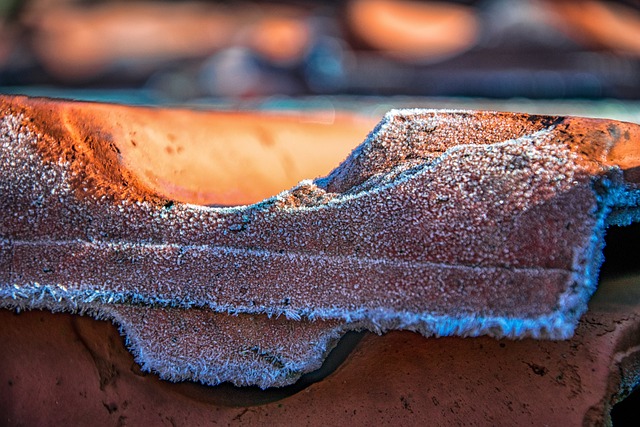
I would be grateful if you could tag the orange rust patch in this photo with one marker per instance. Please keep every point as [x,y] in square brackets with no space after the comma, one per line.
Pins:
[75,136]
[225,158]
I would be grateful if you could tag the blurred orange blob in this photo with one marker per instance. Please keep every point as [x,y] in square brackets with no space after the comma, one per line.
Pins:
[80,42]
[280,39]
[601,24]
[413,30]
[76,42]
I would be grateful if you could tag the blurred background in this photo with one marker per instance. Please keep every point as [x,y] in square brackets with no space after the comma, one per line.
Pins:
[575,56]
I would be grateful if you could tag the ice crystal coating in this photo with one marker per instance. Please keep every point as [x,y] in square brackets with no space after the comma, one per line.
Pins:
[441,222]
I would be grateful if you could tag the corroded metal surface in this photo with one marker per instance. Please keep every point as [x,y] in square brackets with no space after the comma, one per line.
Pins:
[400,377]
[441,222]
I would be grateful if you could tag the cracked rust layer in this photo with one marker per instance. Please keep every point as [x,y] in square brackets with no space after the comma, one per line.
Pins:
[441,222]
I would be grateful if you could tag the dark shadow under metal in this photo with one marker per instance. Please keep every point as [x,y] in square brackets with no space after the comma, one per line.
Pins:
[227,394]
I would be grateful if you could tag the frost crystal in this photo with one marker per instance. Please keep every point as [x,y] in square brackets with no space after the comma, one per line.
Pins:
[440,222]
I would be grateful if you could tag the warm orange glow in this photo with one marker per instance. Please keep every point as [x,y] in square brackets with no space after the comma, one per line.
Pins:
[280,39]
[81,42]
[221,158]
[414,30]
[609,25]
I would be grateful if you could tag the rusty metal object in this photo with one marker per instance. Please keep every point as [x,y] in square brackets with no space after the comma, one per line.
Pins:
[441,222]
[400,377]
